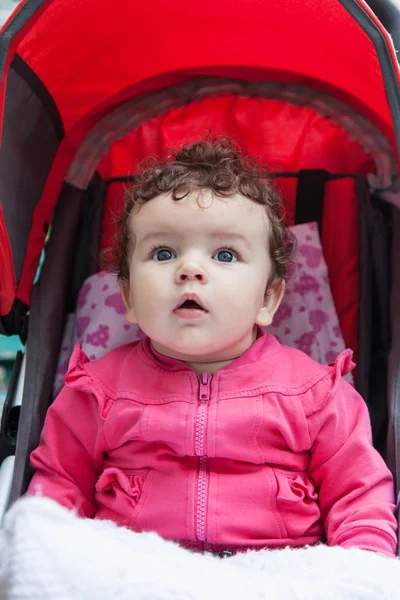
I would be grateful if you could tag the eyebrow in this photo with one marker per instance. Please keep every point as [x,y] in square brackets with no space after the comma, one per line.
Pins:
[157,234]
[230,235]
[223,235]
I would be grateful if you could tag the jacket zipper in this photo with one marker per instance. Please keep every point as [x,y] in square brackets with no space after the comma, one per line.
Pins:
[202,481]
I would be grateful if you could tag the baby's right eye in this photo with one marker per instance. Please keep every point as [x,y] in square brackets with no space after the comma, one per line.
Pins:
[162,254]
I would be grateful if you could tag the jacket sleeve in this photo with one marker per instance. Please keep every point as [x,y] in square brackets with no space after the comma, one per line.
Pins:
[69,459]
[356,494]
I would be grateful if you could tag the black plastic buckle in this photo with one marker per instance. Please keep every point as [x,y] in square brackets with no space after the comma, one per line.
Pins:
[223,554]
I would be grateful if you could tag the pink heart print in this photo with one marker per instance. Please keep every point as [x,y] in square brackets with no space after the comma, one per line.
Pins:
[83,294]
[305,342]
[115,301]
[284,312]
[318,318]
[337,331]
[99,337]
[81,325]
[330,356]
[306,283]
[312,255]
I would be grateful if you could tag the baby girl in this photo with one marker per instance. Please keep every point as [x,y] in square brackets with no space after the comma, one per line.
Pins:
[209,431]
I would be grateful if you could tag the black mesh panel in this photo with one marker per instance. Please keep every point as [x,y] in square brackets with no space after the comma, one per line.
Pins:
[31,134]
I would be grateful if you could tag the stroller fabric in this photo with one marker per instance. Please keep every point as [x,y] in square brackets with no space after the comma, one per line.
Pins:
[59,65]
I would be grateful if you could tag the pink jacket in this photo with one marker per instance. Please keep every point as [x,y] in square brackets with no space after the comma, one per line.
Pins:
[274,449]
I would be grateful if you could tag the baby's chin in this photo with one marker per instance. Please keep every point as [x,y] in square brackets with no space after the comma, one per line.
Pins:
[194,346]
[192,352]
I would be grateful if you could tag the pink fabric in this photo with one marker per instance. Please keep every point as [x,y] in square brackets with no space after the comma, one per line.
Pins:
[273,449]
[306,319]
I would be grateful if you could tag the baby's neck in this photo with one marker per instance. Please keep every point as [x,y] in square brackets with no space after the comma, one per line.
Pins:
[211,364]
[209,367]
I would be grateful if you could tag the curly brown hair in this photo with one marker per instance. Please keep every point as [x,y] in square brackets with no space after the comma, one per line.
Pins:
[217,165]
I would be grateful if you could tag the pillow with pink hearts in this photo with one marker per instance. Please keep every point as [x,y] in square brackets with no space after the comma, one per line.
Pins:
[306,319]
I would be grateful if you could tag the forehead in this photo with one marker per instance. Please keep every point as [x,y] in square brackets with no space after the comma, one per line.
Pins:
[200,212]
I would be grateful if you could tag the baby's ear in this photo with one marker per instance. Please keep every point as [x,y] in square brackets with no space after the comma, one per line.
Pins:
[126,297]
[272,299]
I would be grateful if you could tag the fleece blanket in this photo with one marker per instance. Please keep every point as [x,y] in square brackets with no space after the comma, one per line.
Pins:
[47,552]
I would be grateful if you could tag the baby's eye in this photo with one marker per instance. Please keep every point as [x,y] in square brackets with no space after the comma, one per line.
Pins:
[226,256]
[163,254]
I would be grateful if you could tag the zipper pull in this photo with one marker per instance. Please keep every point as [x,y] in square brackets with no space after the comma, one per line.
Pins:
[205,385]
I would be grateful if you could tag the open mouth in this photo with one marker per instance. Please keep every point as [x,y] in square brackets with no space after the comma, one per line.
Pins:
[191,304]
[190,309]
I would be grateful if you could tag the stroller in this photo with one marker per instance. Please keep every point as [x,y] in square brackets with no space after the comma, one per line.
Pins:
[89,90]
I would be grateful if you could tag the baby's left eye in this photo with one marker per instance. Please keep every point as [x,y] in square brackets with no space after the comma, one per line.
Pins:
[162,254]
[226,256]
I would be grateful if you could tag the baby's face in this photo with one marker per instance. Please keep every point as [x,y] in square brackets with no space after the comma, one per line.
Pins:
[198,275]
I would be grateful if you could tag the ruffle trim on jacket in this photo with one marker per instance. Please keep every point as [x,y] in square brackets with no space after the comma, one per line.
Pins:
[320,394]
[77,378]
[342,365]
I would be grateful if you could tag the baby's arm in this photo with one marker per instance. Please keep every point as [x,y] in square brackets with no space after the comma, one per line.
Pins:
[69,459]
[356,494]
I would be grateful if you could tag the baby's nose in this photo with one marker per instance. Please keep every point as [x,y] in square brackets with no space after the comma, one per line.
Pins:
[191,272]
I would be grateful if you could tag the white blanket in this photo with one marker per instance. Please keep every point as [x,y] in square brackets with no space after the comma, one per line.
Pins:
[46,552]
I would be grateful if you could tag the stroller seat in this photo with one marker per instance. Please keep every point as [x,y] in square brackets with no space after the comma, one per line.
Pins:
[285,82]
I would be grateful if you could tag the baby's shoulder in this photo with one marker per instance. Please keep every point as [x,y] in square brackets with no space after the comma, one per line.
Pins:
[104,373]
[294,373]
[293,370]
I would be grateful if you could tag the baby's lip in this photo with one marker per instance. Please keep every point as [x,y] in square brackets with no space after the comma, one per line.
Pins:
[193,298]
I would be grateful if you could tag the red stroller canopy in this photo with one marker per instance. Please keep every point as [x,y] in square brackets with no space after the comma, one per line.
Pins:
[91,56]
[86,54]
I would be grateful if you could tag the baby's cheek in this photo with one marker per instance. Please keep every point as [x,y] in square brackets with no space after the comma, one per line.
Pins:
[244,298]
[147,310]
